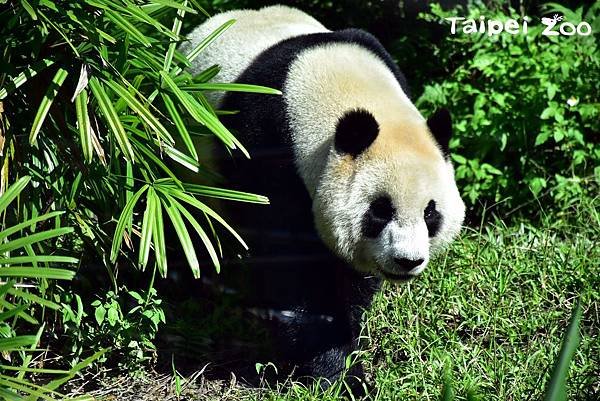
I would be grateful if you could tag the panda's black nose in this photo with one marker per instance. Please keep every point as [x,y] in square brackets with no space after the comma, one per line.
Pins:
[406,265]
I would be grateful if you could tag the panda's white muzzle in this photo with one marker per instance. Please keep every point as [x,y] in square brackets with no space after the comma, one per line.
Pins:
[401,252]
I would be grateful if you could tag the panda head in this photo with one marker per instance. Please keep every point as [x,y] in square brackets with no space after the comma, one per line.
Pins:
[386,200]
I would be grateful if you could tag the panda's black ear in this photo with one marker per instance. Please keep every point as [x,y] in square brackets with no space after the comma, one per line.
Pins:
[440,125]
[355,132]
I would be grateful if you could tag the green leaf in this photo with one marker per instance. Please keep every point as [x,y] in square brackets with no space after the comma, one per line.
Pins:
[111,117]
[42,112]
[202,234]
[127,27]
[15,343]
[13,191]
[37,272]
[191,56]
[125,217]
[34,298]
[150,120]
[228,194]
[557,387]
[177,22]
[182,234]
[200,114]
[29,223]
[217,86]
[160,249]
[201,206]
[30,72]
[33,238]
[83,123]
[147,226]
[16,260]
[181,127]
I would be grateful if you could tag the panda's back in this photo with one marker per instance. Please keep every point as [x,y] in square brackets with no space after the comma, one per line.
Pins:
[253,32]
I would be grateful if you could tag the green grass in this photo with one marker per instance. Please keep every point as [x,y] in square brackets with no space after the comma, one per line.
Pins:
[488,318]
[490,315]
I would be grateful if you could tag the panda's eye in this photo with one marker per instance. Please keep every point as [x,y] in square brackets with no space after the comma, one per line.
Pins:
[378,216]
[433,219]
[382,208]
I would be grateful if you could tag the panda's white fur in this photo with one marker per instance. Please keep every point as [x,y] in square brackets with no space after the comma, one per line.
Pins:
[323,83]
[253,32]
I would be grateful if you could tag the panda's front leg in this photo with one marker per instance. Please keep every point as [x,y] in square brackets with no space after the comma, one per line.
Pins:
[331,364]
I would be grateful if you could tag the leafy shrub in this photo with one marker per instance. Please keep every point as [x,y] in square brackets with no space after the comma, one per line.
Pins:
[26,268]
[126,322]
[526,109]
[97,107]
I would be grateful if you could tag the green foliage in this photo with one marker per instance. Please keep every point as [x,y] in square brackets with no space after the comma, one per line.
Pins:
[113,113]
[526,109]
[125,322]
[97,106]
[25,269]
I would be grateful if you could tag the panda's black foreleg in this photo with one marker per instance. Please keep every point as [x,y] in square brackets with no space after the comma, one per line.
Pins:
[334,342]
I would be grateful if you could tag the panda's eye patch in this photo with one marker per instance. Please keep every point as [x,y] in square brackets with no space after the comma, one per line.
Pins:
[433,219]
[378,216]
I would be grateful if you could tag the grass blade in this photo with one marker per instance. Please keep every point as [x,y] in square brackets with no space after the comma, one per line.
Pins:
[557,387]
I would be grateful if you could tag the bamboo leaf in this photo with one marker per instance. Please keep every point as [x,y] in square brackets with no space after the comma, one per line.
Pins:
[160,249]
[147,227]
[42,112]
[231,87]
[111,117]
[203,236]
[12,343]
[135,105]
[227,194]
[24,76]
[177,22]
[12,192]
[37,272]
[191,56]
[127,27]
[125,217]
[83,123]
[182,234]
[33,238]
[200,114]
[201,206]
[180,125]
[19,260]
[29,223]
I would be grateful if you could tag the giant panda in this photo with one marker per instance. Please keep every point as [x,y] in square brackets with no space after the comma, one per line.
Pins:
[361,185]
